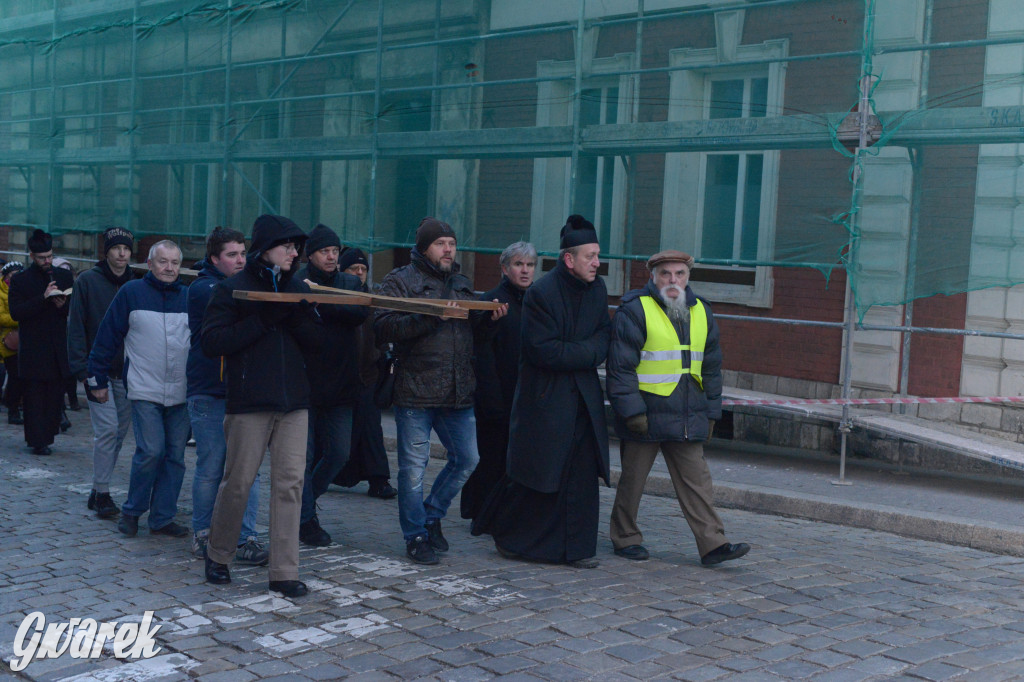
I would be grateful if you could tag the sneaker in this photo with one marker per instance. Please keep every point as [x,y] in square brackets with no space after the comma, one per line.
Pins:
[128,525]
[310,533]
[383,491]
[419,550]
[92,500]
[199,541]
[172,529]
[252,552]
[105,507]
[437,540]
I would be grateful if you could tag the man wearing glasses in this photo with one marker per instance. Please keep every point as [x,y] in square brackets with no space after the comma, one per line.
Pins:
[267,398]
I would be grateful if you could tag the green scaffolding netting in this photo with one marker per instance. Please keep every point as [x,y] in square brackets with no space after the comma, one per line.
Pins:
[878,137]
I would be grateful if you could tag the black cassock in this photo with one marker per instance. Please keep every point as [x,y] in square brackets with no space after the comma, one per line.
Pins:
[546,507]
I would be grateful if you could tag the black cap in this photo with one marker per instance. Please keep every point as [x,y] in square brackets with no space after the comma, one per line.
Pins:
[429,231]
[320,237]
[113,236]
[577,232]
[350,257]
[40,242]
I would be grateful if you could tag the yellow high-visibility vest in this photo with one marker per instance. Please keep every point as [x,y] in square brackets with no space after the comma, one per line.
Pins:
[661,358]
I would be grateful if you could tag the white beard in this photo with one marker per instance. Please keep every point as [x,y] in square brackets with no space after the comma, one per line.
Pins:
[676,307]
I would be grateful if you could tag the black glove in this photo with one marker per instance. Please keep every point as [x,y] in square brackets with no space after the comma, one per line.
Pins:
[274,314]
[637,424]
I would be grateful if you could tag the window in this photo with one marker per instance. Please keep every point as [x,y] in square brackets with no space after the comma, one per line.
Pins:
[721,205]
[600,180]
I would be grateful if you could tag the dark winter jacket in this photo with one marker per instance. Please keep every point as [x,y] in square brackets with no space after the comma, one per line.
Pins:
[684,414]
[497,360]
[148,319]
[565,334]
[42,326]
[205,374]
[265,367]
[435,355]
[334,369]
[94,290]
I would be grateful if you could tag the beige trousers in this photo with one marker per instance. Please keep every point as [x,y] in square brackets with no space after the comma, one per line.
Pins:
[248,438]
[691,480]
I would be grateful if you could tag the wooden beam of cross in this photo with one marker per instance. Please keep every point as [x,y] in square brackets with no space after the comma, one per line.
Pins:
[355,298]
[437,302]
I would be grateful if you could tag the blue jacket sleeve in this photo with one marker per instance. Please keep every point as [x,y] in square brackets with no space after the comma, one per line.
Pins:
[109,338]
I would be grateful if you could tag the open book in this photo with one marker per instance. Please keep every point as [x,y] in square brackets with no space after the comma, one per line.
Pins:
[58,292]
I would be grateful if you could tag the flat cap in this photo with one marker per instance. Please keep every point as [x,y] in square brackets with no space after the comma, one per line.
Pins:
[669,256]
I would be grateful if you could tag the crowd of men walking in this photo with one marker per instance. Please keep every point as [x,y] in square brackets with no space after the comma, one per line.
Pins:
[513,392]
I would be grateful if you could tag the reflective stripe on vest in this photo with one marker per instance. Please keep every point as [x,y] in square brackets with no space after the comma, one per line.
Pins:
[661,358]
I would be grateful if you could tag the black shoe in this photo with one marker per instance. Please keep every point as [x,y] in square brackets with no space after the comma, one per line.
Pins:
[289,588]
[218,574]
[14,417]
[92,500]
[437,540]
[74,406]
[310,533]
[504,552]
[105,507]
[382,490]
[129,525]
[634,552]
[172,529]
[726,552]
[589,562]
[419,550]
[65,423]
[42,450]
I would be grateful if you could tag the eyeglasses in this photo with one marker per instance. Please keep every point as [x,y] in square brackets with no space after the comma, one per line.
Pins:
[289,246]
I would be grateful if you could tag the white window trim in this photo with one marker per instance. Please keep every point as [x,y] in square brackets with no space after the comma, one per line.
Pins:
[551,204]
[682,204]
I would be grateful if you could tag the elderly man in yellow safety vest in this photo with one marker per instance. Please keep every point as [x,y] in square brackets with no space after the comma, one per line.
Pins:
[664,380]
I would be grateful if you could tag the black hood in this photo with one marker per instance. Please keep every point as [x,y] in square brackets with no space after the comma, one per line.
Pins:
[270,230]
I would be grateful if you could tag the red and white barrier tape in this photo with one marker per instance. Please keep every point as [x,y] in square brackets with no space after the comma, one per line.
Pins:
[872,401]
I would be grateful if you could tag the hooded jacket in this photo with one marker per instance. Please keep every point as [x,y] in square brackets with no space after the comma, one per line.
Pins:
[266,371]
[149,318]
[435,356]
[684,414]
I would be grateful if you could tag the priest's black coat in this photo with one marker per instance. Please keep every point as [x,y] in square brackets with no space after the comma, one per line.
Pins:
[565,334]
[43,330]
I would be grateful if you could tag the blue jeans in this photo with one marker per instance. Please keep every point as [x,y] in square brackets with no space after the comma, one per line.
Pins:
[158,465]
[206,413]
[457,431]
[330,438]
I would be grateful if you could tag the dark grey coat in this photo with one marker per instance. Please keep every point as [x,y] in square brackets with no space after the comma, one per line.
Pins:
[435,356]
[565,333]
[684,414]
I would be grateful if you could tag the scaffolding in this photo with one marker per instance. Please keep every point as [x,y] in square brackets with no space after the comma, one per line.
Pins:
[877,141]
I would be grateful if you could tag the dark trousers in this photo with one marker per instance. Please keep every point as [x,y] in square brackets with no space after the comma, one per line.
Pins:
[492,441]
[15,384]
[44,401]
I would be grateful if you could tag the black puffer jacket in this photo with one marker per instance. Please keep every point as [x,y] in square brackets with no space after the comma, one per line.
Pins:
[334,369]
[265,367]
[435,356]
[684,414]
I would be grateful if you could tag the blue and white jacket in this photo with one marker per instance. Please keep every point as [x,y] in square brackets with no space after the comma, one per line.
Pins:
[151,318]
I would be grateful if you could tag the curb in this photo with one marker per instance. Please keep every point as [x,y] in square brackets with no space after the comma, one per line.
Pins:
[950,530]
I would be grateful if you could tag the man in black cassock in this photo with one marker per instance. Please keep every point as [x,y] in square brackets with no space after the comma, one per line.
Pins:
[546,507]
[42,314]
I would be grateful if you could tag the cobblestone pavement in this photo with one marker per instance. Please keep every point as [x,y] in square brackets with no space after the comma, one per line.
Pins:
[811,600]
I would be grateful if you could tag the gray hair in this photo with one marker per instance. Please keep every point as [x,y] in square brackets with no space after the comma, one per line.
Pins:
[523,249]
[162,244]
